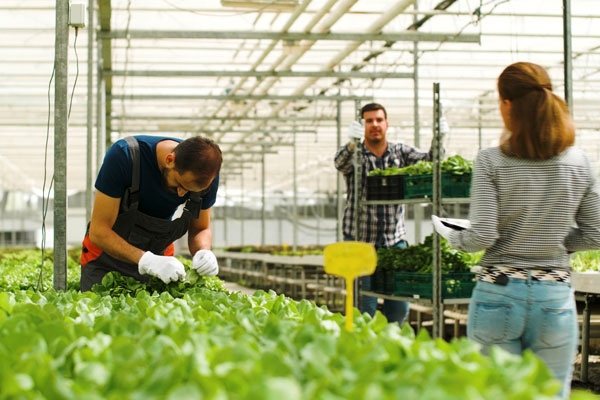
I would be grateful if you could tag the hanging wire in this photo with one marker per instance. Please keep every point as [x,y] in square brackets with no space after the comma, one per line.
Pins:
[479,16]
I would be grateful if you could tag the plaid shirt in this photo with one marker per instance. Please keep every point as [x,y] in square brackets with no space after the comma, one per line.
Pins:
[381,225]
[529,214]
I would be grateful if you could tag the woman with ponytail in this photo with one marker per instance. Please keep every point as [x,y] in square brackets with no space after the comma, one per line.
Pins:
[534,200]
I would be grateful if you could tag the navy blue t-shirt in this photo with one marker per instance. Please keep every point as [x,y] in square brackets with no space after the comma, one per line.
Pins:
[115,177]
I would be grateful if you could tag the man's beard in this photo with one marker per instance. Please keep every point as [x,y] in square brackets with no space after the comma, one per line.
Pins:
[376,140]
[165,181]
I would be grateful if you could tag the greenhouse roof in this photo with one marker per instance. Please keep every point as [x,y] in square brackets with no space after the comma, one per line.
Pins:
[265,78]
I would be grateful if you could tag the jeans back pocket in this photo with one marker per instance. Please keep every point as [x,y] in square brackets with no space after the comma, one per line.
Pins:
[559,326]
[490,322]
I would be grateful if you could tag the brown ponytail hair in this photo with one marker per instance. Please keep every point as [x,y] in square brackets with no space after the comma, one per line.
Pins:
[540,124]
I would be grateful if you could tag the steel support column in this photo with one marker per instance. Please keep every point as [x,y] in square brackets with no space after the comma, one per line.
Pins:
[295,183]
[340,181]
[417,209]
[100,110]
[242,207]
[357,196]
[262,209]
[437,305]
[61,68]
[225,232]
[568,58]
[90,111]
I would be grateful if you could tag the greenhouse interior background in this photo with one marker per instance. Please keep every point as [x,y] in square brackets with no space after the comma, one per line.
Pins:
[183,68]
[275,83]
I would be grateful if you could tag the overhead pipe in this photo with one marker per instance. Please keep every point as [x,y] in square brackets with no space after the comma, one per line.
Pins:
[291,59]
[376,26]
[299,10]
[385,18]
[283,56]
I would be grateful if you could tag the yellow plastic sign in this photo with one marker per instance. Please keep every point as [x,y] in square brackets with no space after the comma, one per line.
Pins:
[350,260]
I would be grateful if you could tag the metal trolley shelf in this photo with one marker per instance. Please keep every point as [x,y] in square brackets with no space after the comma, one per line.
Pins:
[436,201]
[587,289]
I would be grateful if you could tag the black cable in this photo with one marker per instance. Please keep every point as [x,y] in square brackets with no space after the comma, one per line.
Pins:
[76,73]
[44,205]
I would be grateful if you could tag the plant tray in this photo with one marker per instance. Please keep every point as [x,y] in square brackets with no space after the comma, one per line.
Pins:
[417,186]
[388,187]
[455,285]
[456,185]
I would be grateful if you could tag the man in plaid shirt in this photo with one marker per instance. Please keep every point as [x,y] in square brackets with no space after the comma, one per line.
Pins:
[381,225]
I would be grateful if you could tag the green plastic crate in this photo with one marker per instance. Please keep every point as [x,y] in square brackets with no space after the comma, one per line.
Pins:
[456,185]
[383,281]
[455,285]
[419,186]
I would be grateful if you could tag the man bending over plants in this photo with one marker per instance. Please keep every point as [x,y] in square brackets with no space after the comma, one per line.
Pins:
[141,183]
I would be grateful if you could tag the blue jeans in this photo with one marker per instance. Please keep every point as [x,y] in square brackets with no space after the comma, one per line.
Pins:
[394,310]
[527,314]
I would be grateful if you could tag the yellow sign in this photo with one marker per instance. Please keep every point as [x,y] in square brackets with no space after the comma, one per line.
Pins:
[350,260]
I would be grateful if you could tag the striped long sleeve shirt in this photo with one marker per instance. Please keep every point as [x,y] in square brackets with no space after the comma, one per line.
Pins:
[382,225]
[530,214]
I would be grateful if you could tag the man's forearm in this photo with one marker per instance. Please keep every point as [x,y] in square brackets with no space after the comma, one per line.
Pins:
[343,159]
[115,246]
[202,240]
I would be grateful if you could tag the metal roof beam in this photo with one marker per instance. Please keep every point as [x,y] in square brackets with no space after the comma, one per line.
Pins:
[264,74]
[238,97]
[233,118]
[204,130]
[407,36]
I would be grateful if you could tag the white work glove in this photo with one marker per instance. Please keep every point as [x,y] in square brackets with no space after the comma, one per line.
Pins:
[356,130]
[440,228]
[167,269]
[205,263]
[444,127]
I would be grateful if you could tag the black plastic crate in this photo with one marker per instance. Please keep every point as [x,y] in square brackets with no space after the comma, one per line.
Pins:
[377,281]
[383,281]
[389,187]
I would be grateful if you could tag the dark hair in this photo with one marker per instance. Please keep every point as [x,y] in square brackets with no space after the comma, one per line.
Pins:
[198,155]
[372,107]
[540,124]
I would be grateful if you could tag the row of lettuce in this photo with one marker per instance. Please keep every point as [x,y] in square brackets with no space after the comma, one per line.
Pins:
[193,339]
